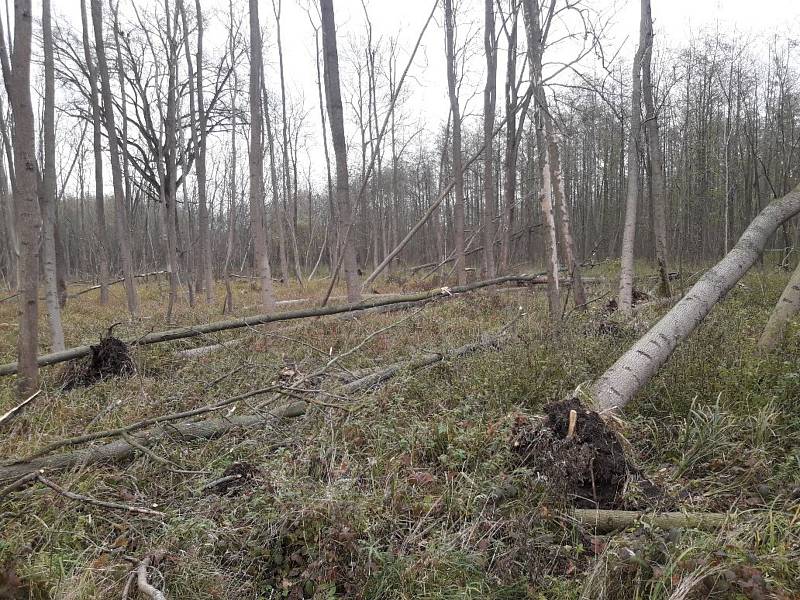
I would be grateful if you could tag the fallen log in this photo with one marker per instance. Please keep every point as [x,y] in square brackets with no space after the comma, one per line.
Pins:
[210,428]
[119,449]
[198,330]
[120,280]
[605,521]
[619,384]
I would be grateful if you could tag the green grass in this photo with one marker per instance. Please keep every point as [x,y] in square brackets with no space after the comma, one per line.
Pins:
[414,491]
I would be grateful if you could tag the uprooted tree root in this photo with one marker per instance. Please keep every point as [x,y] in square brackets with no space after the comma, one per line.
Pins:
[110,358]
[585,463]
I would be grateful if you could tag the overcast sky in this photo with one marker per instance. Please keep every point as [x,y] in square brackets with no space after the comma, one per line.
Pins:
[676,21]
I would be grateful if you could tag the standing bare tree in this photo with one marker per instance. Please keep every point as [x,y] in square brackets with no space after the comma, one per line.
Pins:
[625,299]
[47,191]
[120,204]
[535,36]
[199,132]
[458,167]
[17,77]
[658,182]
[97,129]
[489,104]
[333,94]
[257,225]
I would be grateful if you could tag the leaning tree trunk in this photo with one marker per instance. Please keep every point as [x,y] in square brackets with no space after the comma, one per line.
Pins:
[25,197]
[333,95]
[618,385]
[657,176]
[458,167]
[786,308]
[47,195]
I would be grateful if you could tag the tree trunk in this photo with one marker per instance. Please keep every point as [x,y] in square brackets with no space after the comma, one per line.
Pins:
[786,308]
[47,193]
[618,385]
[564,220]
[458,168]
[657,177]
[120,205]
[535,50]
[629,231]
[489,105]
[286,180]
[26,198]
[333,227]
[333,94]
[257,225]
[100,210]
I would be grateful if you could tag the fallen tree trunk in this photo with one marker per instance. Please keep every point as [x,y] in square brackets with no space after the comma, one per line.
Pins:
[605,521]
[120,280]
[16,472]
[118,449]
[619,384]
[198,330]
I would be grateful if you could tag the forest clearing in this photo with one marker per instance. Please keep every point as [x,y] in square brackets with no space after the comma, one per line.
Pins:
[287,313]
[415,487]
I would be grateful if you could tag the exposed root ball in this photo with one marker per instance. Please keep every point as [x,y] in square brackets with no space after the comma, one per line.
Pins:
[110,358]
[590,468]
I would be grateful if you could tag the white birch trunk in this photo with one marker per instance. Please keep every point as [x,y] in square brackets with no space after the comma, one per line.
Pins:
[618,385]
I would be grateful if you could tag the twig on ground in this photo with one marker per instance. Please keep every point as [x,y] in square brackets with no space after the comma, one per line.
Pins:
[93,501]
[10,414]
[144,586]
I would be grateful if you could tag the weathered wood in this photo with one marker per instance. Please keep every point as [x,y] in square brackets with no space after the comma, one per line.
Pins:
[251,321]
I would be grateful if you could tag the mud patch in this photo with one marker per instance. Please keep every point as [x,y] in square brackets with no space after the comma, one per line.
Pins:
[589,469]
[110,358]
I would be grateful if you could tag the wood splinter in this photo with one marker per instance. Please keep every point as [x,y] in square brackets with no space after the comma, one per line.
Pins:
[573,419]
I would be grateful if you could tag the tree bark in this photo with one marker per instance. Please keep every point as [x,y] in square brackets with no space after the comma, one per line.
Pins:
[120,205]
[787,307]
[100,210]
[458,167]
[533,28]
[625,299]
[26,197]
[619,384]
[333,95]
[657,176]
[564,219]
[257,224]
[47,192]
[489,106]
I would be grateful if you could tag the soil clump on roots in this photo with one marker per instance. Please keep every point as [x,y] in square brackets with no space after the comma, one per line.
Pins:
[110,358]
[588,468]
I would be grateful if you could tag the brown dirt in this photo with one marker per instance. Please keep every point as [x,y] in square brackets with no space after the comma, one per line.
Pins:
[589,470]
[110,358]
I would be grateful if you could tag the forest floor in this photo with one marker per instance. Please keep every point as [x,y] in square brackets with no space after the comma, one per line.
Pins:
[413,489]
